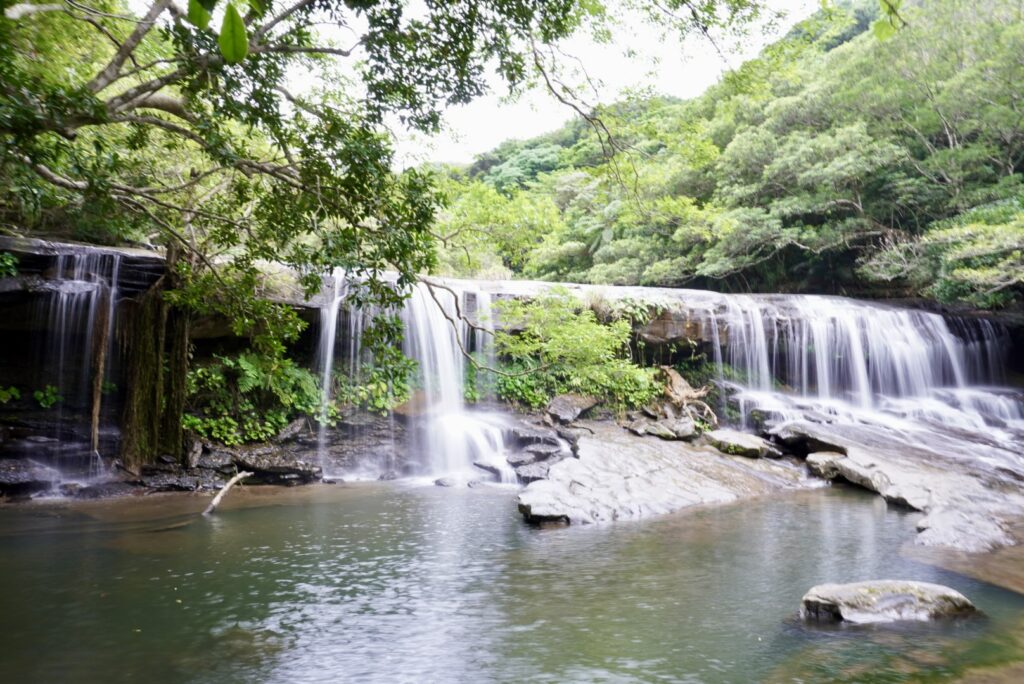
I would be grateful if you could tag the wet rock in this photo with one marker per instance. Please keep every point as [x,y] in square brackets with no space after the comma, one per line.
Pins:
[638,426]
[741,444]
[571,437]
[682,427]
[825,463]
[169,482]
[219,461]
[488,468]
[660,429]
[292,430]
[107,490]
[193,451]
[533,472]
[970,500]
[445,482]
[883,601]
[473,484]
[21,477]
[524,435]
[619,476]
[544,451]
[272,466]
[389,475]
[566,408]
[521,458]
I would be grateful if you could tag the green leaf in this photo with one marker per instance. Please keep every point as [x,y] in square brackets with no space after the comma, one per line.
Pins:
[883,29]
[259,6]
[198,14]
[208,5]
[233,40]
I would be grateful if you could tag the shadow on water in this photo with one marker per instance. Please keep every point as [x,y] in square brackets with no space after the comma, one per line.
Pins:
[399,583]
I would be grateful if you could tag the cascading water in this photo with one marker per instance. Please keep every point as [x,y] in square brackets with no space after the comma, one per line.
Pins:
[453,439]
[844,362]
[448,437]
[335,293]
[78,308]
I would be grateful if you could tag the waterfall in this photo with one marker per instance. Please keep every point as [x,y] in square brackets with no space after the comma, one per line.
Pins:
[860,362]
[452,438]
[445,435]
[325,357]
[79,296]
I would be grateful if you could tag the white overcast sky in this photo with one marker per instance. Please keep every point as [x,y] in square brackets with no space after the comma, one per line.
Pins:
[666,65]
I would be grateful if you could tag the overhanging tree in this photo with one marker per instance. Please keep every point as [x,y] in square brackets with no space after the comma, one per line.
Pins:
[196,128]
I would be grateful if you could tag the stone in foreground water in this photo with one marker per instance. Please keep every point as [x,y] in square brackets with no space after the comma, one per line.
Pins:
[883,601]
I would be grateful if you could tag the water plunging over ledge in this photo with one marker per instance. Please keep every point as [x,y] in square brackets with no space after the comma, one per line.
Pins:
[448,436]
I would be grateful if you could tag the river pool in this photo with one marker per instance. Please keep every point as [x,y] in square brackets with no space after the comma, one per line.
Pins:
[403,583]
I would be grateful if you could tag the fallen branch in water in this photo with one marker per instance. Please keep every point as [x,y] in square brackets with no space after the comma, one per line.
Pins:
[224,490]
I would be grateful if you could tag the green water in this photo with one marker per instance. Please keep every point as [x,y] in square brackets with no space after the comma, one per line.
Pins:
[378,583]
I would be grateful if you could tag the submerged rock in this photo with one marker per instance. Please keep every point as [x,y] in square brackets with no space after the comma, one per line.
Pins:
[565,408]
[883,601]
[741,444]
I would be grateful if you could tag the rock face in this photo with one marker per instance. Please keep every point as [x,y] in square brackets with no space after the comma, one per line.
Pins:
[269,465]
[741,444]
[883,601]
[565,408]
[618,476]
[665,428]
[534,449]
[971,498]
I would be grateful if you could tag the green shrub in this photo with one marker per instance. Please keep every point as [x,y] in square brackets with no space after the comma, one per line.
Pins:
[249,397]
[554,344]
[48,396]
[8,265]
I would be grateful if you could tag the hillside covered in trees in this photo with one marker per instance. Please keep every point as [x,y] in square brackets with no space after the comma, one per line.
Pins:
[843,159]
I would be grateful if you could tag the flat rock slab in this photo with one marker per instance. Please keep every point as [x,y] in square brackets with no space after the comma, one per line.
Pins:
[969,492]
[883,601]
[741,444]
[620,476]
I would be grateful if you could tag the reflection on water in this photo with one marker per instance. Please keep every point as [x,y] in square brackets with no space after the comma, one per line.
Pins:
[391,583]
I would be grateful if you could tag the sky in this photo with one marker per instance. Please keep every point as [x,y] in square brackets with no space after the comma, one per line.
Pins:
[666,65]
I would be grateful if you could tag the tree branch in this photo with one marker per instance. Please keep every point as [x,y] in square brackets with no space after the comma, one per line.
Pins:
[109,73]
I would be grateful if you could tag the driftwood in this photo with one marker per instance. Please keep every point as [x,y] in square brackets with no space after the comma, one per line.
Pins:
[683,396]
[224,490]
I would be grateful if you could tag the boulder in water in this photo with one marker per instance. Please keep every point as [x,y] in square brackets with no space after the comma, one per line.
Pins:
[883,601]
[741,444]
[565,408]
[444,482]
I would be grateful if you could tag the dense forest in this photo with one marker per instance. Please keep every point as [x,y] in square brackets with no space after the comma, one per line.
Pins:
[846,158]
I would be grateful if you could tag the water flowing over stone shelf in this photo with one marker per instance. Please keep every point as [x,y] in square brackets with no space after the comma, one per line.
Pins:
[901,401]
